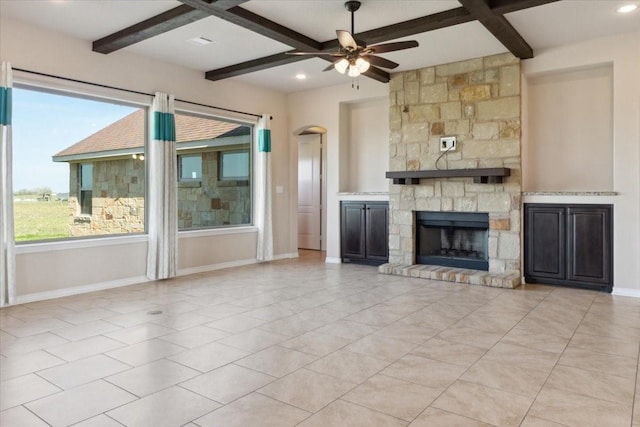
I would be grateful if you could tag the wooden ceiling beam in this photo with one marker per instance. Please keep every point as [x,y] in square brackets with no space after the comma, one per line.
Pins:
[377,74]
[412,27]
[166,21]
[498,25]
[500,7]
[488,12]
[424,24]
[252,66]
[275,61]
[156,25]
[508,36]
[257,24]
[390,32]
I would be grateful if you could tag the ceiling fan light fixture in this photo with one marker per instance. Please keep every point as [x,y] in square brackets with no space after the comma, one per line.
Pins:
[353,70]
[342,65]
[362,65]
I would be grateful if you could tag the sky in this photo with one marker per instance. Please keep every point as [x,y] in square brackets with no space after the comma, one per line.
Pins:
[44,124]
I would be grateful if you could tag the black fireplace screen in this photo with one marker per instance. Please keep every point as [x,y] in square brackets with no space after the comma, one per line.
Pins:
[452,239]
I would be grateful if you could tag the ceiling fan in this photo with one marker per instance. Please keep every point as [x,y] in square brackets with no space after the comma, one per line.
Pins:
[354,56]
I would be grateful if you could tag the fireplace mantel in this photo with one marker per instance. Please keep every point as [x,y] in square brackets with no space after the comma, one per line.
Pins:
[479,175]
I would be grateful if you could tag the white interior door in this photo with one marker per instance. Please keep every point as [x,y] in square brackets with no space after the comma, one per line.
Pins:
[309,191]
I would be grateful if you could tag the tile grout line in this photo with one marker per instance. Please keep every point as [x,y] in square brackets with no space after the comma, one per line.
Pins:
[557,361]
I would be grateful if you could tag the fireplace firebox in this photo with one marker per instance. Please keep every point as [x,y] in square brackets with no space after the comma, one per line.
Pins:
[452,239]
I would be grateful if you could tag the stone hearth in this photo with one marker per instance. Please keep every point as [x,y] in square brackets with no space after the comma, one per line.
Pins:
[478,101]
[450,274]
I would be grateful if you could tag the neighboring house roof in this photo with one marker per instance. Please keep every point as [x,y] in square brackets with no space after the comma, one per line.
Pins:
[127,136]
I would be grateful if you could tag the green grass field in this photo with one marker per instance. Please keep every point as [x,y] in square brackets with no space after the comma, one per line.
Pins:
[40,220]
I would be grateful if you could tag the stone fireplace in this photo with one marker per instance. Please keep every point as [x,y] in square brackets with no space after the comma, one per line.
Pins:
[478,102]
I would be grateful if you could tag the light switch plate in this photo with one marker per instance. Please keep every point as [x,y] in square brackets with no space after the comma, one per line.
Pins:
[279,189]
[448,143]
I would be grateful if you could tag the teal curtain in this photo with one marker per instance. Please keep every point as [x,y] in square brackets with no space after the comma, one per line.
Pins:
[7,244]
[264,250]
[162,196]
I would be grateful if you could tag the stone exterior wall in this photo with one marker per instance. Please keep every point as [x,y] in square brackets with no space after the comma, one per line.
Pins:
[478,101]
[211,202]
[117,202]
[118,199]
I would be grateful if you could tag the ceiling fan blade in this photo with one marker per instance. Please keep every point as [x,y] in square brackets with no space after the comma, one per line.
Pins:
[331,67]
[346,39]
[333,54]
[392,47]
[381,62]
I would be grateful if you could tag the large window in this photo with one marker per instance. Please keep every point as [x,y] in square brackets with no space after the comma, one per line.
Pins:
[214,172]
[78,166]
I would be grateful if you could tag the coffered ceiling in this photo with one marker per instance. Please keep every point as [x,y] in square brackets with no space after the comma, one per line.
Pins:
[250,37]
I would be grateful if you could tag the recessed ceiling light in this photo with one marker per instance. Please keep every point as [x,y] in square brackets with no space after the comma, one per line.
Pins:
[627,8]
[200,41]
[301,76]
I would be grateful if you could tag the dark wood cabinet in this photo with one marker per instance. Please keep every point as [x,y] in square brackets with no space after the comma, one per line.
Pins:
[569,245]
[364,231]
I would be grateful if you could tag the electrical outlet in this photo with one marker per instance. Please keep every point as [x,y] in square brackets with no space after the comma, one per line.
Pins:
[448,143]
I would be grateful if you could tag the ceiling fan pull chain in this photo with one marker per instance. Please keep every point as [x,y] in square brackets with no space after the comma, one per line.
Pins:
[355,83]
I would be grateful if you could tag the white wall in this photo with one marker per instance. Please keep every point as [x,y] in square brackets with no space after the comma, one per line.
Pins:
[331,108]
[570,116]
[623,51]
[45,272]
[368,146]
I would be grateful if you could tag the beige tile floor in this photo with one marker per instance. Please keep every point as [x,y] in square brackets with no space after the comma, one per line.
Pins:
[300,342]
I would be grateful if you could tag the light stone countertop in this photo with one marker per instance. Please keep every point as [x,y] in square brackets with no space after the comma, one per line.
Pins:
[364,193]
[364,196]
[569,193]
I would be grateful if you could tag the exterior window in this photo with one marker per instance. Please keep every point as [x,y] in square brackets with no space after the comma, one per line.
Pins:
[214,172]
[234,165]
[86,188]
[190,167]
[78,166]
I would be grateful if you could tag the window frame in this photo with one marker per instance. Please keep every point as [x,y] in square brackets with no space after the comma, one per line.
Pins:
[86,91]
[210,113]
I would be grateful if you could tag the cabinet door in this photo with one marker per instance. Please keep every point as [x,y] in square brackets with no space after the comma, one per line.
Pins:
[353,230]
[589,244]
[377,234]
[544,242]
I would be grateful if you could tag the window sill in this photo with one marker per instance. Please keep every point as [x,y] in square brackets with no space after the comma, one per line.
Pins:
[79,243]
[205,232]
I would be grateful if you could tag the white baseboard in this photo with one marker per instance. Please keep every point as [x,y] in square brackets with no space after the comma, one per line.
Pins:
[76,290]
[333,260]
[626,292]
[231,264]
[219,266]
[289,255]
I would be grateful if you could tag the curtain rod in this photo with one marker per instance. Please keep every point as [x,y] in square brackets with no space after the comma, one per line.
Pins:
[132,91]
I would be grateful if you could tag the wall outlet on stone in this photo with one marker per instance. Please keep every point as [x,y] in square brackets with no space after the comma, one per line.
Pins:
[448,143]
